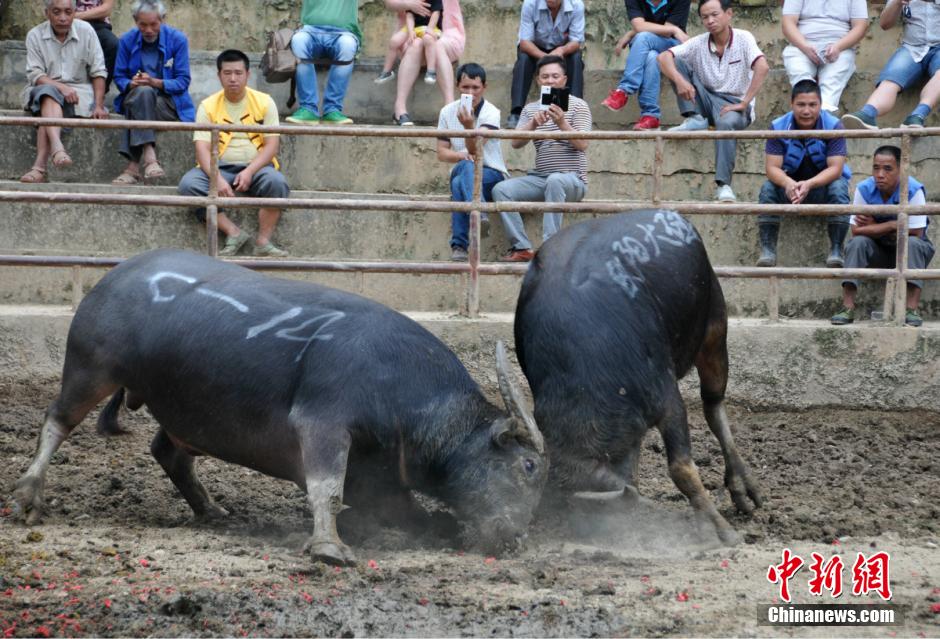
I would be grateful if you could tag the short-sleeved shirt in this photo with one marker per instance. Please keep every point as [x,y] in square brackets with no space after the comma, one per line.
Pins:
[537,25]
[240,150]
[913,221]
[559,156]
[84,5]
[921,27]
[487,116]
[672,11]
[73,62]
[825,21]
[423,21]
[729,73]
[807,169]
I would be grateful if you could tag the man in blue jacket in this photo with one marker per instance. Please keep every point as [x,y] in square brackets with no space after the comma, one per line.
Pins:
[805,171]
[152,74]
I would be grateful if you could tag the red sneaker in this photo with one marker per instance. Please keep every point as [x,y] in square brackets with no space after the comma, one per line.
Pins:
[646,123]
[517,255]
[615,100]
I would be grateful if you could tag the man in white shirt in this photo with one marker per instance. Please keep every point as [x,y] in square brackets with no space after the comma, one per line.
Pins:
[471,80]
[716,76]
[823,35]
[874,237]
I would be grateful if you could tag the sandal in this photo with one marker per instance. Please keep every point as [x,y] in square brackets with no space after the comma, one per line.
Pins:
[34,176]
[61,159]
[153,171]
[126,178]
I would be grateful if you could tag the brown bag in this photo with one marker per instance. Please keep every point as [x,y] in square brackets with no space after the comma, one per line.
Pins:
[279,63]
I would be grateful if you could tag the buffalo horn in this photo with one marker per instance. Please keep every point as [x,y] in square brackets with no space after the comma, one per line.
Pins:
[523,420]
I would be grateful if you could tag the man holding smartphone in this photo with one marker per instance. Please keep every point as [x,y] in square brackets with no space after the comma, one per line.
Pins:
[560,173]
[471,111]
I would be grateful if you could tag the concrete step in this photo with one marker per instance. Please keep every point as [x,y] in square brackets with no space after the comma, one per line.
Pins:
[367,102]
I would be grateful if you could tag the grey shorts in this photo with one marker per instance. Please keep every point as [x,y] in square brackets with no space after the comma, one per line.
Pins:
[38,92]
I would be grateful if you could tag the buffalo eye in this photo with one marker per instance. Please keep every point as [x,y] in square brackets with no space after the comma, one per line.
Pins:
[529,466]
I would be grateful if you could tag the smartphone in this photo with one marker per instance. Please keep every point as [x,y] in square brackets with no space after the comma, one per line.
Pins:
[466,102]
[546,99]
[552,95]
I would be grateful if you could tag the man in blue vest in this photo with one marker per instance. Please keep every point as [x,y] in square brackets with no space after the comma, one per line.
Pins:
[874,237]
[805,170]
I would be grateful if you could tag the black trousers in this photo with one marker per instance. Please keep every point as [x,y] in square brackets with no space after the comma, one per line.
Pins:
[524,70]
[109,46]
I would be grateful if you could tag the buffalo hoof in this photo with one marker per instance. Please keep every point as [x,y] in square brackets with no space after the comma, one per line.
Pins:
[332,553]
[744,493]
[728,535]
[28,498]
[212,514]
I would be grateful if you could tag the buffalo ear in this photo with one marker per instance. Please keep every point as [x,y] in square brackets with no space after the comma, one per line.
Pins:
[502,432]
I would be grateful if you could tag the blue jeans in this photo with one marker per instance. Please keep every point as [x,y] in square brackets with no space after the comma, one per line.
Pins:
[311,43]
[836,192]
[903,71]
[461,190]
[641,72]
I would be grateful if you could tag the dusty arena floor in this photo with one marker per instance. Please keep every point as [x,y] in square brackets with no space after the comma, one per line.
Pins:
[116,557]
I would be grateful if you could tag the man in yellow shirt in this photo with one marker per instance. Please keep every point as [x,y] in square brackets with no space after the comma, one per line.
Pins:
[247,161]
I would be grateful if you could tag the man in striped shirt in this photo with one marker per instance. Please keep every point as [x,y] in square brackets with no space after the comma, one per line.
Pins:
[560,173]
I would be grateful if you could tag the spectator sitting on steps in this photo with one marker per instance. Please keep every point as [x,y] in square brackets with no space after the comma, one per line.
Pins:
[716,76]
[918,57]
[657,26]
[560,173]
[874,237]
[471,80]
[66,73]
[417,27]
[153,76]
[247,161]
[330,30]
[805,171]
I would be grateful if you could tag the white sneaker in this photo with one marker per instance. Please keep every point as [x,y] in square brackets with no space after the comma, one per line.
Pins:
[692,123]
[725,194]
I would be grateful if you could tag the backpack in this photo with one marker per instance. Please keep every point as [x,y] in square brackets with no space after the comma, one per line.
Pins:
[278,62]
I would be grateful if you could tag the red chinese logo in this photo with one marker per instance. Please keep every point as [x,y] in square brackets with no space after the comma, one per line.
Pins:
[869,575]
[782,572]
[826,576]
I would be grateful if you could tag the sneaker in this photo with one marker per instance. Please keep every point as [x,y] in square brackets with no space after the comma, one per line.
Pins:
[616,100]
[518,255]
[858,120]
[269,250]
[913,121]
[913,318]
[384,77]
[234,244]
[646,123]
[402,120]
[303,116]
[692,123]
[459,254]
[430,77]
[843,317]
[335,117]
[725,194]
[512,121]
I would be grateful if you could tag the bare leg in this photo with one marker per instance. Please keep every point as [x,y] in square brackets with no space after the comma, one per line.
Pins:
[178,465]
[430,51]
[408,70]
[325,453]
[267,221]
[884,96]
[394,45]
[445,73]
[148,154]
[931,91]
[848,295]
[227,226]
[674,428]
[913,297]
[51,109]
[712,365]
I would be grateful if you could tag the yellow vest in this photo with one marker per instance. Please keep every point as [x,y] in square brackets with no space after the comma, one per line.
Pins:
[257,103]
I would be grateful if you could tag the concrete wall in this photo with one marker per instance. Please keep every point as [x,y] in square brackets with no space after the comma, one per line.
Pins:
[878,367]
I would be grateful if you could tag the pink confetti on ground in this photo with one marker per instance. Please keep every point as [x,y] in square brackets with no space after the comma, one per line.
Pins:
[682,596]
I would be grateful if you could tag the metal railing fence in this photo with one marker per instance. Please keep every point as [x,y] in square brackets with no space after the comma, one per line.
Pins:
[896,278]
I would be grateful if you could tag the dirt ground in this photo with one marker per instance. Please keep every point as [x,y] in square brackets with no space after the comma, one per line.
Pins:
[116,555]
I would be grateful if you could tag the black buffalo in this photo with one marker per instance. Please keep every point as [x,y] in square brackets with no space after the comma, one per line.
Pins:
[611,314]
[292,379]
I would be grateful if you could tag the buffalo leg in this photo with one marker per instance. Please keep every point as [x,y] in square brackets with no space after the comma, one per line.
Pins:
[178,465]
[325,454]
[712,365]
[80,393]
[674,428]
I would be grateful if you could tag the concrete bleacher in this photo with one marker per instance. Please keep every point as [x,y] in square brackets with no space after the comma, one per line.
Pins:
[370,167]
